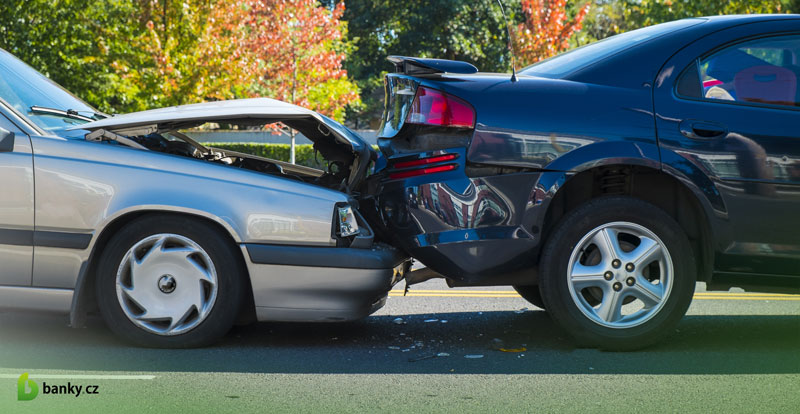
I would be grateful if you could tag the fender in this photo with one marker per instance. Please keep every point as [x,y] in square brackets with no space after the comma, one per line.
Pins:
[82,295]
[629,153]
[584,158]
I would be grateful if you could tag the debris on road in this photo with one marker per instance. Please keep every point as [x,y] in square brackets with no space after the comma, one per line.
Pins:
[431,320]
[430,356]
[473,356]
[398,321]
[523,349]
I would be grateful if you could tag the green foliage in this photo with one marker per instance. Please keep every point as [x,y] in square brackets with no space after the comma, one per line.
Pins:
[169,68]
[610,17]
[304,154]
[292,50]
[791,6]
[473,31]
[128,55]
[75,43]
[639,13]
[131,55]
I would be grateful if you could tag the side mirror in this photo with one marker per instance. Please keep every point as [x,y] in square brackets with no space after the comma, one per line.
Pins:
[6,140]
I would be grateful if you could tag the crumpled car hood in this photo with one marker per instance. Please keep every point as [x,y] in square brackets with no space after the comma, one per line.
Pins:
[182,116]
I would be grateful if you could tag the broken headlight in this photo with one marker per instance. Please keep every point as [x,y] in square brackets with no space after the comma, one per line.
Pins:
[347,221]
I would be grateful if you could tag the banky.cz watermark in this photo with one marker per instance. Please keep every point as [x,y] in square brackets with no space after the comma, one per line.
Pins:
[28,389]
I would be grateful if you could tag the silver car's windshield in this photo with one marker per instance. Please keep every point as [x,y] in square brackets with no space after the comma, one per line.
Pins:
[23,88]
[568,62]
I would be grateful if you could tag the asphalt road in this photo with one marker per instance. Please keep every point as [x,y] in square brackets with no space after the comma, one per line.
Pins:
[733,352]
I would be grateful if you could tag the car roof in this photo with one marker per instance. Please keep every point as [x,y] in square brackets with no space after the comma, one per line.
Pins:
[617,69]
[751,17]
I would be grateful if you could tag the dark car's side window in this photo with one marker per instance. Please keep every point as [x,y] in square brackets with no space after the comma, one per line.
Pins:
[759,71]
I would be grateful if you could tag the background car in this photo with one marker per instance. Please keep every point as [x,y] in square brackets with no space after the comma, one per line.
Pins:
[604,182]
[173,241]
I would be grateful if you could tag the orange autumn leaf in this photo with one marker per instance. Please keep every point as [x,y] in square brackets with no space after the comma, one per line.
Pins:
[546,29]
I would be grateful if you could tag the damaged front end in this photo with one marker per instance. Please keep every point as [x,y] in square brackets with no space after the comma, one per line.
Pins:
[345,157]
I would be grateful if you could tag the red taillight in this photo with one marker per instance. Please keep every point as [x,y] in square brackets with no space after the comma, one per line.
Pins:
[421,171]
[425,161]
[432,107]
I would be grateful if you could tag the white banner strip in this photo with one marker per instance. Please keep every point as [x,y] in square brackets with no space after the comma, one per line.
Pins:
[80,377]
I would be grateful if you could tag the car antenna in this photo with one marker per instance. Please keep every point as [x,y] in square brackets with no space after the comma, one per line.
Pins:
[510,43]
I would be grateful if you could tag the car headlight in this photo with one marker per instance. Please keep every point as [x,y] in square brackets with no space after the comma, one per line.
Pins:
[347,221]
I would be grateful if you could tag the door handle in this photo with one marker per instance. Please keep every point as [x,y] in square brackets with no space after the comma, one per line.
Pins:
[694,129]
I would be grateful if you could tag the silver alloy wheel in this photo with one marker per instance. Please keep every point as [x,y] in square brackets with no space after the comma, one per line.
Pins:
[166,284]
[620,275]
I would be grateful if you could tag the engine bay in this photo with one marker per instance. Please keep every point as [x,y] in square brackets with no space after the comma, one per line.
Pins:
[341,166]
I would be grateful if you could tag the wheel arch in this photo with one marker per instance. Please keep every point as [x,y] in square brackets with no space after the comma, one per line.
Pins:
[84,299]
[640,179]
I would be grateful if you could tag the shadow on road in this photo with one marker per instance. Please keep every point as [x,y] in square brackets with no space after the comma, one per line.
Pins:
[701,345]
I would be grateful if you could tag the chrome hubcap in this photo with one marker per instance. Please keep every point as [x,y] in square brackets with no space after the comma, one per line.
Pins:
[166,284]
[620,275]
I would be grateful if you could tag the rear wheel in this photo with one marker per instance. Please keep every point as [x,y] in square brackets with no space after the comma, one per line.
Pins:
[531,294]
[617,273]
[169,282]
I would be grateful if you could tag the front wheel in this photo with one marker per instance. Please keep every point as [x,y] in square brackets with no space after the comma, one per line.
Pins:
[617,273]
[170,282]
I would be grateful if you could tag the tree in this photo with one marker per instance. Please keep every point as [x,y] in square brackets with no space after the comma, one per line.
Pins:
[119,55]
[640,13]
[546,29]
[610,17]
[791,6]
[76,43]
[294,49]
[291,50]
[127,55]
[605,18]
[473,31]
[181,62]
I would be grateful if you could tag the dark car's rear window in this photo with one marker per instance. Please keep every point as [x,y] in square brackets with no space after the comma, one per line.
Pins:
[568,62]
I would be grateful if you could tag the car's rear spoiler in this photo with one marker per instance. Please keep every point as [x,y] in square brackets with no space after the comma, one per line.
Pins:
[424,66]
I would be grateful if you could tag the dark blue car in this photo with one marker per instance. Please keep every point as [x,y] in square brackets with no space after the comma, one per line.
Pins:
[604,182]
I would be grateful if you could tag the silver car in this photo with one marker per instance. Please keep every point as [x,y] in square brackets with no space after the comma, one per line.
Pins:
[172,241]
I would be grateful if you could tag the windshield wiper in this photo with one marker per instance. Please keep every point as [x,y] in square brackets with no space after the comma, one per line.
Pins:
[69,113]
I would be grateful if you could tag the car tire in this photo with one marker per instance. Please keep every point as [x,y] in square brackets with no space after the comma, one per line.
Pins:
[617,273]
[168,281]
[532,294]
